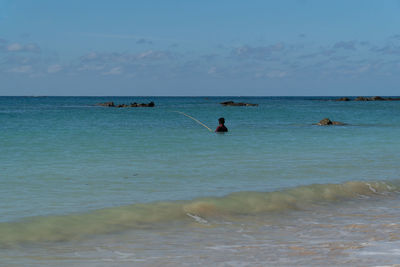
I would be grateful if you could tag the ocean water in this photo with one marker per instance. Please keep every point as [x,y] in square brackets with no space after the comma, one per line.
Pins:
[84,185]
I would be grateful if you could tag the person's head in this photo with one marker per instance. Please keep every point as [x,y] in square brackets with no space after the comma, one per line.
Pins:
[221,120]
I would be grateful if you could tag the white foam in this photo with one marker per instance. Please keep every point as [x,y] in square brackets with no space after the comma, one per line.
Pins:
[363,196]
[239,247]
[124,255]
[197,218]
[371,188]
[389,187]
[248,236]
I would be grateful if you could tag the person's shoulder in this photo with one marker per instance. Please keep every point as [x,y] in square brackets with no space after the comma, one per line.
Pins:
[221,129]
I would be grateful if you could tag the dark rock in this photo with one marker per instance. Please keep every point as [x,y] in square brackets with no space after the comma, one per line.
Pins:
[227,103]
[374,98]
[133,105]
[338,123]
[142,105]
[231,103]
[327,121]
[343,99]
[361,98]
[377,98]
[122,106]
[106,104]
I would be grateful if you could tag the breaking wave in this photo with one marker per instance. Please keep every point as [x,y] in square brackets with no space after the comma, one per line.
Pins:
[136,216]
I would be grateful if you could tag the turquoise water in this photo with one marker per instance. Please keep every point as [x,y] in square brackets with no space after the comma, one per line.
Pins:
[64,159]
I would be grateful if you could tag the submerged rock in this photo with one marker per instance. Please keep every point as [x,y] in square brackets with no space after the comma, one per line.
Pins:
[342,99]
[132,105]
[362,98]
[374,98]
[106,104]
[377,98]
[122,106]
[240,104]
[338,123]
[327,121]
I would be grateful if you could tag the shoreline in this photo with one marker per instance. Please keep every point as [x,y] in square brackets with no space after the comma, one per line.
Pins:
[361,232]
[201,211]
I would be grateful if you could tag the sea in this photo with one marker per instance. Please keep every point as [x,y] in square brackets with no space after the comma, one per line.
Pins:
[87,185]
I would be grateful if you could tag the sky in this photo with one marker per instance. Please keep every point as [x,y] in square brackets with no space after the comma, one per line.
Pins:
[200,48]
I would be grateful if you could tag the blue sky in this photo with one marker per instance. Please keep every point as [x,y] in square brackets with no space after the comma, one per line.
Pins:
[187,47]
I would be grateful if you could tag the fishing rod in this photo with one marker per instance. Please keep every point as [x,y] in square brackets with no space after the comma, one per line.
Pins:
[196,120]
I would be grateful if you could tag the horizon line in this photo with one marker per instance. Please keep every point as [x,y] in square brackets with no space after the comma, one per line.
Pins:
[196,95]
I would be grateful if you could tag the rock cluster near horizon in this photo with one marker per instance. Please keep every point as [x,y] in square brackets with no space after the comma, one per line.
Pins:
[363,98]
[240,104]
[131,105]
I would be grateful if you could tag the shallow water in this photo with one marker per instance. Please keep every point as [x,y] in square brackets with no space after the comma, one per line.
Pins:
[88,185]
[360,233]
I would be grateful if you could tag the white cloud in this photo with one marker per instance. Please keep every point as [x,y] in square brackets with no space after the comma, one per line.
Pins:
[212,70]
[54,68]
[14,47]
[32,48]
[17,47]
[151,54]
[276,74]
[260,52]
[113,71]
[22,69]
[90,56]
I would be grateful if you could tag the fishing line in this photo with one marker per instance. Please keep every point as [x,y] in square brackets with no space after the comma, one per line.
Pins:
[196,120]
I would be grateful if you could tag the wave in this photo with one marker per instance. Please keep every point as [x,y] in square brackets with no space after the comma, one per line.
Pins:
[78,226]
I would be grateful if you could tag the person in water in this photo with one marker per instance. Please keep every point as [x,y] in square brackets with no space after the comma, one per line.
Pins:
[221,127]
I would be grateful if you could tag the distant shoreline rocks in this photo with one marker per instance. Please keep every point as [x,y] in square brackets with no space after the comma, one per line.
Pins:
[240,104]
[343,99]
[131,105]
[363,98]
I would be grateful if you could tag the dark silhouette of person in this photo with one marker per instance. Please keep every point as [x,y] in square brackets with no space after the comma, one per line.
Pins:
[221,127]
